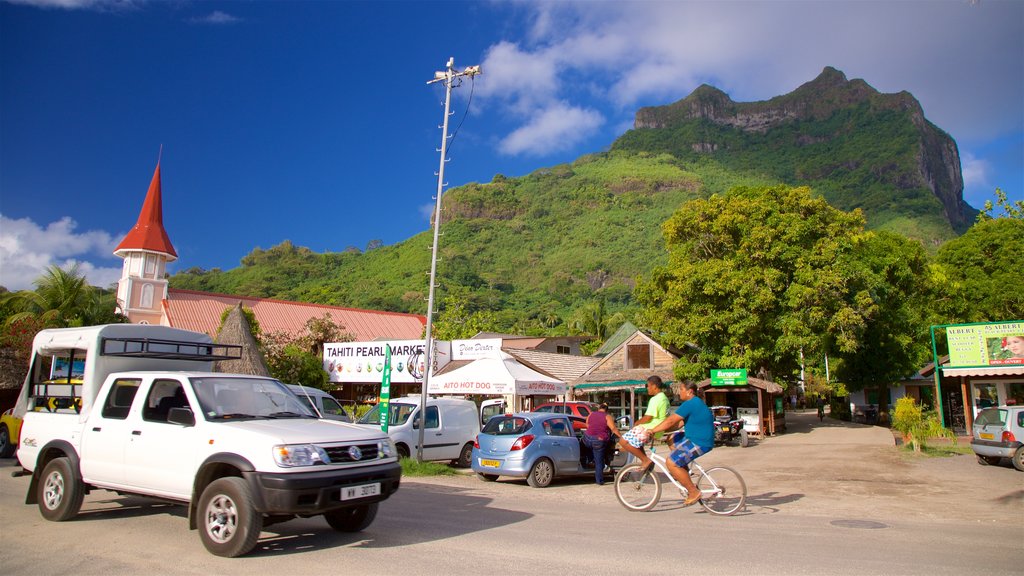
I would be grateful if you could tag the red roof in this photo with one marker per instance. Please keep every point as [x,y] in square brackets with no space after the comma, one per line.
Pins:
[149,233]
[201,312]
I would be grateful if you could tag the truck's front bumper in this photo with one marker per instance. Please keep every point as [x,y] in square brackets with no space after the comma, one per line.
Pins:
[311,493]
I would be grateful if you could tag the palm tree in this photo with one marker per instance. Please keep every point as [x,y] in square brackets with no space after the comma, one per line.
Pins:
[61,298]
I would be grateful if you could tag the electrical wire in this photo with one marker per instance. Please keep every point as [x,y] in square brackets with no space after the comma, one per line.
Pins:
[472,89]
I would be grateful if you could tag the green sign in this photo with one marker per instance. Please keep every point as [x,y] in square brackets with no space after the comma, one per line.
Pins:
[986,344]
[729,377]
[385,390]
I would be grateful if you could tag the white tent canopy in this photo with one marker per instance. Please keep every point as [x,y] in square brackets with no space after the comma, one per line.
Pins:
[502,375]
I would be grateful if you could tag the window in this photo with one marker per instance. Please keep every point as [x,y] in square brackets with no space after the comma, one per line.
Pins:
[163,395]
[432,420]
[584,411]
[150,265]
[985,396]
[119,399]
[146,300]
[556,428]
[638,356]
[562,350]
[1014,394]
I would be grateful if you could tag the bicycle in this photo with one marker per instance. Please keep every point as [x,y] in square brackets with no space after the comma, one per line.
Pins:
[639,491]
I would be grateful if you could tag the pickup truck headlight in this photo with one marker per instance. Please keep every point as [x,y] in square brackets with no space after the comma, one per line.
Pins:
[387,448]
[291,455]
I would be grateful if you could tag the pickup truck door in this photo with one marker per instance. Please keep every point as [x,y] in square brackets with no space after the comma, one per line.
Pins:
[161,457]
[106,434]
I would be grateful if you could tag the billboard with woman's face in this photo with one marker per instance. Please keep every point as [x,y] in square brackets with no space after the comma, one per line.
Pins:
[995,344]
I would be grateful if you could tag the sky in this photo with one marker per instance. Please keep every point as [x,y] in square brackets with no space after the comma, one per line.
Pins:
[314,122]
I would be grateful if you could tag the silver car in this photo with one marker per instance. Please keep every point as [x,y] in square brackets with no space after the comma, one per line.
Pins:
[998,433]
[536,446]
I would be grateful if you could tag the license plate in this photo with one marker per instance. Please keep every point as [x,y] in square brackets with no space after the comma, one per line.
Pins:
[986,436]
[361,491]
[490,463]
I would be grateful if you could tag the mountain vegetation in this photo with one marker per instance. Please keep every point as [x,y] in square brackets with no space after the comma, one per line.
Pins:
[560,250]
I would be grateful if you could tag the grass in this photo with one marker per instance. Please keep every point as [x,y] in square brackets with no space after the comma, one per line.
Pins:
[939,450]
[410,467]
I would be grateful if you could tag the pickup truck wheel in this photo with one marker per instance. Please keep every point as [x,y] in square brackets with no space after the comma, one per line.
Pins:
[403,451]
[229,523]
[352,519]
[60,491]
[541,474]
[465,457]
[6,448]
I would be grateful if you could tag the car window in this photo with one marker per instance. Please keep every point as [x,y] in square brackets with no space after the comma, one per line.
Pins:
[556,428]
[1020,418]
[584,411]
[120,398]
[433,420]
[507,426]
[331,406]
[163,395]
[545,409]
[990,417]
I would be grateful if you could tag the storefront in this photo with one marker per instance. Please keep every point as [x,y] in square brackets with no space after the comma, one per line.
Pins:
[758,402]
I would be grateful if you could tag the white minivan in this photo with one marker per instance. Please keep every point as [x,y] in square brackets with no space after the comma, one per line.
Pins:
[451,426]
[323,404]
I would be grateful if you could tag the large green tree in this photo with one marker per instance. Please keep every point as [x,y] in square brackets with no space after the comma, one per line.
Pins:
[981,275]
[756,275]
[61,298]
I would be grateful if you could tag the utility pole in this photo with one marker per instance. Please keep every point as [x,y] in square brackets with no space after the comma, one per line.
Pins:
[449,75]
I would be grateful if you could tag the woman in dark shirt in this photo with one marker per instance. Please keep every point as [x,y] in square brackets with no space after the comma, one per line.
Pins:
[599,430]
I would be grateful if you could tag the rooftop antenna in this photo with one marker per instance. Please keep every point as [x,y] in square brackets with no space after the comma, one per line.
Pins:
[449,75]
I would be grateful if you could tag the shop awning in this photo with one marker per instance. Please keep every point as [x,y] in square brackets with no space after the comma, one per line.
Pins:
[634,385]
[985,371]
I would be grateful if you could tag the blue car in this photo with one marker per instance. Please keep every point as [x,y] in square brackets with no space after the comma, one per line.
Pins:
[536,446]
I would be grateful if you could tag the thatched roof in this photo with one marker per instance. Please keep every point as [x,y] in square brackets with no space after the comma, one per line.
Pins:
[766,385]
[236,331]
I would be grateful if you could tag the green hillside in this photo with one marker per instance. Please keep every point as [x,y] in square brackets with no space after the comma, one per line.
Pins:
[533,249]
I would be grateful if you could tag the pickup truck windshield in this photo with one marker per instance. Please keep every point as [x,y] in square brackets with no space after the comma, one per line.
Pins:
[231,398]
[398,414]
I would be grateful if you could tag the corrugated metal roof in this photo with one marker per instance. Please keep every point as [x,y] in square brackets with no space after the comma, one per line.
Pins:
[565,367]
[201,312]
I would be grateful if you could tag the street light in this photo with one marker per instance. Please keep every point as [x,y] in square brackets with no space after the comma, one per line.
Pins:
[448,76]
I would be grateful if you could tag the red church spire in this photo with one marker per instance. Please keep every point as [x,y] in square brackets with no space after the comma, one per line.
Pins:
[148,233]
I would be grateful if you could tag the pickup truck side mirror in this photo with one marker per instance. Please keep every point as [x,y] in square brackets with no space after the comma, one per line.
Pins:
[182,416]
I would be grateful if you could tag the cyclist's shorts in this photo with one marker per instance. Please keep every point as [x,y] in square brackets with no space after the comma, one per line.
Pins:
[637,437]
[685,452]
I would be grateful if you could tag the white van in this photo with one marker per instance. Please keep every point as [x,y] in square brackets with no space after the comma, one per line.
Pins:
[322,403]
[451,426]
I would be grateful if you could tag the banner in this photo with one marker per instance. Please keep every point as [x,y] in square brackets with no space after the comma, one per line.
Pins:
[385,391]
[363,362]
[729,377]
[995,344]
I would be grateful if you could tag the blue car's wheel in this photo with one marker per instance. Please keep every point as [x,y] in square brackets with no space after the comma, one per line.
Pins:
[541,474]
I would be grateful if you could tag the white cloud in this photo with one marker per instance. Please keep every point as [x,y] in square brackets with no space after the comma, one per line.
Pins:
[216,17]
[558,127]
[27,249]
[961,60]
[975,170]
[100,5]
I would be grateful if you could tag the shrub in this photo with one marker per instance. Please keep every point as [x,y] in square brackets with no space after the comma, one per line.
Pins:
[916,425]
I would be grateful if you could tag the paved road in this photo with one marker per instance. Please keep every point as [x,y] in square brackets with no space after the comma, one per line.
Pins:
[834,499]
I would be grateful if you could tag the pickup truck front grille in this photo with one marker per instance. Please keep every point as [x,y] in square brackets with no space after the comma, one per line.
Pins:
[345,454]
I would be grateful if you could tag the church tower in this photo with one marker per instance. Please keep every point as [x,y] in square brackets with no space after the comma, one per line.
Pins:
[146,250]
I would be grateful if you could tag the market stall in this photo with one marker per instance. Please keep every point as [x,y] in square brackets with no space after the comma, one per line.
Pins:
[758,402]
[501,375]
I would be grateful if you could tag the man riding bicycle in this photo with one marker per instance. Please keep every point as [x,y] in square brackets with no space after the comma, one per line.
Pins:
[697,438]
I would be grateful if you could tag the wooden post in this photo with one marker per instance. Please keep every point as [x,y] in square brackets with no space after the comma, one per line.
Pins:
[968,410]
[760,414]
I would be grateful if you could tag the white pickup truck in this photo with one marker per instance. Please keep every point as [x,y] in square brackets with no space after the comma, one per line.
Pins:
[152,419]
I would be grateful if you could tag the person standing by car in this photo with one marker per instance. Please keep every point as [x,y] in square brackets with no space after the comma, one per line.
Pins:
[696,439]
[657,410]
[597,434]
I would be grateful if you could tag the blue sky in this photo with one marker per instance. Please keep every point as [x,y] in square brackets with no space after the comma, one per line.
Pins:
[313,122]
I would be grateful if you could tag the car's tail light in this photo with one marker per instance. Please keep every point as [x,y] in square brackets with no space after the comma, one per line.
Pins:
[1008,436]
[476,442]
[522,442]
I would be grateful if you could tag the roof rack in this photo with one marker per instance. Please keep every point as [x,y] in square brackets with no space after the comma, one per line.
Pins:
[168,349]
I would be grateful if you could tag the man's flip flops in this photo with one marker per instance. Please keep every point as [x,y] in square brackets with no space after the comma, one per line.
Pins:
[692,500]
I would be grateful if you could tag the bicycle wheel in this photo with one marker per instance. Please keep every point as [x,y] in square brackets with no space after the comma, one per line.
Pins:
[635,490]
[723,491]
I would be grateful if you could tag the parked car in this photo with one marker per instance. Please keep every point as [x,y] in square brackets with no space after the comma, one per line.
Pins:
[728,428]
[998,433]
[451,426]
[573,408]
[533,445]
[326,406]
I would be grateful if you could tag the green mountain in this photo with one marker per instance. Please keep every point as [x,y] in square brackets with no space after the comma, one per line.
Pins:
[530,250]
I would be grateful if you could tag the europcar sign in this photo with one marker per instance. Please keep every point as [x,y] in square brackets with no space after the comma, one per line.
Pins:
[729,377]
